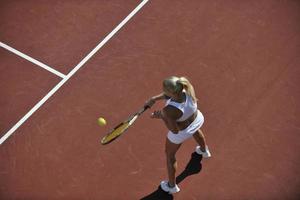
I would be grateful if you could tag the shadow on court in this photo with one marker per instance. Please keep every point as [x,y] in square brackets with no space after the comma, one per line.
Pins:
[194,166]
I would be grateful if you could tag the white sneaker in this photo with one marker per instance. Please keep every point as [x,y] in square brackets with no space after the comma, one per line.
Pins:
[205,154]
[165,187]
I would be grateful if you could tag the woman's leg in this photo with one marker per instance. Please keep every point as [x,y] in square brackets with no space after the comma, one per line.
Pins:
[171,150]
[200,139]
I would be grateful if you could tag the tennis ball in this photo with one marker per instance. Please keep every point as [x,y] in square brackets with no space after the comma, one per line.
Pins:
[101,121]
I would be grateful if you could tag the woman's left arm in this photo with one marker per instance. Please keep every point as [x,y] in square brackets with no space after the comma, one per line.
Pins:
[169,116]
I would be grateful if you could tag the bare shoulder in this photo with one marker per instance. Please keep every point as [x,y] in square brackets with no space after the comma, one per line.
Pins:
[172,112]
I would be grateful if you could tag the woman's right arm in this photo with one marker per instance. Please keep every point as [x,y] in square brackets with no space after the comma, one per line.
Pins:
[159,97]
[153,99]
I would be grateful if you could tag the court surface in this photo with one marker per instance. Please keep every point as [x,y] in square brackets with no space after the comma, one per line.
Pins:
[241,56]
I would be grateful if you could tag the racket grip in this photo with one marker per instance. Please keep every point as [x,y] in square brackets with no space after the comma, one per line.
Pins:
[147,107]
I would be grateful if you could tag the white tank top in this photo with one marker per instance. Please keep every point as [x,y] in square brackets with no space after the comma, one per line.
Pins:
[188,108]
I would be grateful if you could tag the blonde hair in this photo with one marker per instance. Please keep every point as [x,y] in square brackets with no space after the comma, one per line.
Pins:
[175,85]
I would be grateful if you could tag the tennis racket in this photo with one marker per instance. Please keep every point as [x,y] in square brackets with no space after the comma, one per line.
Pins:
[122,127]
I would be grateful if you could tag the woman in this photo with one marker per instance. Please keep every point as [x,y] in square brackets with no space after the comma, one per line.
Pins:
[183,120]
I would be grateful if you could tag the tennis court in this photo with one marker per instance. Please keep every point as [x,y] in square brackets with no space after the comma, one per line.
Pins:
[66,63]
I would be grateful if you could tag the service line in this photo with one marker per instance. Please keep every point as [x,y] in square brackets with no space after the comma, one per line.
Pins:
[30,59]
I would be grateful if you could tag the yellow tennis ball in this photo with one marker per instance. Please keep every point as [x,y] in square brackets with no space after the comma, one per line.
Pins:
[101,121]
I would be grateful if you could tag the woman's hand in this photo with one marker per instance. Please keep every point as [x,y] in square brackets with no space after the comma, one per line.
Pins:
[150,102]
[157,115]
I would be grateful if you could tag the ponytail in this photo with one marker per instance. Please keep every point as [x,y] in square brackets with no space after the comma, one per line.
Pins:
[188,87]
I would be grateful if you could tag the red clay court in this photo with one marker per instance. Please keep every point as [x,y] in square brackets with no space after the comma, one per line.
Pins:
[66,63]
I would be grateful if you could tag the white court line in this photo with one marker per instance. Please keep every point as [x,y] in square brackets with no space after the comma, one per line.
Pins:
[32,60]
[77,67]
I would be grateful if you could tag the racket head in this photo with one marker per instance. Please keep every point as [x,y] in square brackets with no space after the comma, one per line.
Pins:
[121,128]
[115,133]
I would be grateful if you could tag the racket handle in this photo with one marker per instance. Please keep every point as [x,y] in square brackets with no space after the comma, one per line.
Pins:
[146,107]
[143,110]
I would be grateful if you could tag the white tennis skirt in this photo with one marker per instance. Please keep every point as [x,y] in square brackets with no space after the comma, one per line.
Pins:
[183,135]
